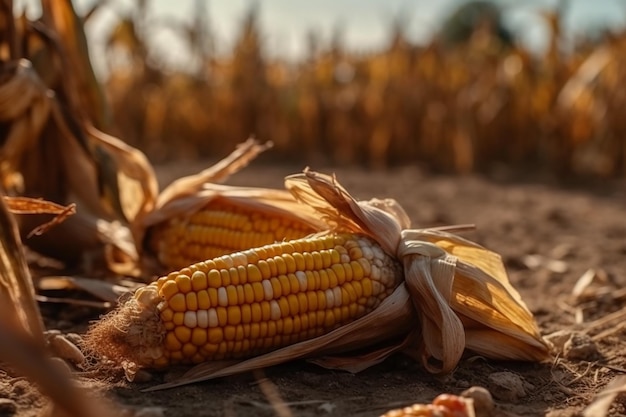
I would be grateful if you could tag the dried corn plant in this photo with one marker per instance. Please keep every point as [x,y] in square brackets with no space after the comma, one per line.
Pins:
[51,110]
[23,348]
[426,292]
[462,108]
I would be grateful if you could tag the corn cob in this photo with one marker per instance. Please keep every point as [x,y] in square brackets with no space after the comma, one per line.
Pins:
[220,228]
[251,302]
[444,405]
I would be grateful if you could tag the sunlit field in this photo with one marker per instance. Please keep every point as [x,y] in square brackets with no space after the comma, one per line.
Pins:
[464,102]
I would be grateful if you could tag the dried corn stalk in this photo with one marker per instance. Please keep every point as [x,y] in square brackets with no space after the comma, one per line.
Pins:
[454,295]
[17,295]
[48,146]
[22,345]
[195,218]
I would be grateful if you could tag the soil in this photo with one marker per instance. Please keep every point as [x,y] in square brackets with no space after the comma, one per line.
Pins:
[549,235]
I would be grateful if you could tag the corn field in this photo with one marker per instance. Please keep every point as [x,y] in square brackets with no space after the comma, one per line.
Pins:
[460,108]
[265,276]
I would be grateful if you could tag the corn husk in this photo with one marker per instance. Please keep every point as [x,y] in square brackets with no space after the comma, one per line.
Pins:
[459,288]
[187,195]
[49,147]
[456,297]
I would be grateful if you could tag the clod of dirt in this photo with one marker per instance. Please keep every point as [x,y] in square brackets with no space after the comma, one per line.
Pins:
[580,347]
[7,407]
[507,386]
[483,401]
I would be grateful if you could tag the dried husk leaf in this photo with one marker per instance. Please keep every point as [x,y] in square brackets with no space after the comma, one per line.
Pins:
[187,195]
[25,205]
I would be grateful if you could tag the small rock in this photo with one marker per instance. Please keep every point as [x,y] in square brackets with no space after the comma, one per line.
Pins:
[7,407]
[507,386]
[483,401]
[580,347]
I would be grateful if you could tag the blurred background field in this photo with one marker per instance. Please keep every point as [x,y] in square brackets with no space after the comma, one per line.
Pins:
[468,86]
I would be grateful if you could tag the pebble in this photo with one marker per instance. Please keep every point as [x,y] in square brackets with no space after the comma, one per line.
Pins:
[483,401]
[7,407]
[507,386]
[580,347]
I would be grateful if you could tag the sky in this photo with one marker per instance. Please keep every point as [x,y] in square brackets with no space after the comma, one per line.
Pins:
[364,23]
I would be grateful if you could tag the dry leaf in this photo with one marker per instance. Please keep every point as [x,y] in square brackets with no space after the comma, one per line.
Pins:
[24,205]
[188,195]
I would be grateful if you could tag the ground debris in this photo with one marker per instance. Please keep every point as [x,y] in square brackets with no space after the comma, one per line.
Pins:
[580,347]
[507,386]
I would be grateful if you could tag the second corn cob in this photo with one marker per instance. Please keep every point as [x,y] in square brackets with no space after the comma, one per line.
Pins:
[221,227]
[250,302]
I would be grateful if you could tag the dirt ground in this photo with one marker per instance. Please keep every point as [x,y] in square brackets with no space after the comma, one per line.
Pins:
[549,236]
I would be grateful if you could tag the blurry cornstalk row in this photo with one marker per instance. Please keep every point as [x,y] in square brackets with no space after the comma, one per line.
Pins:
[465,107]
